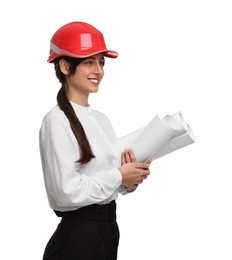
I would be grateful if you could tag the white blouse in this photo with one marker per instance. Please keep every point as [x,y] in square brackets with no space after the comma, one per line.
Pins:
[70,185]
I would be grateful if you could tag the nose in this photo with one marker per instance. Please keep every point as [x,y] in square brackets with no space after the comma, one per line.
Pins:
[99,69]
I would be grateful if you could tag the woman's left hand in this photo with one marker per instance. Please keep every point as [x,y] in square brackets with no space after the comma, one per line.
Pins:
[128,156]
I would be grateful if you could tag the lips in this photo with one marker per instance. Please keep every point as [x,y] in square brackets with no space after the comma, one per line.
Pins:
[94,81]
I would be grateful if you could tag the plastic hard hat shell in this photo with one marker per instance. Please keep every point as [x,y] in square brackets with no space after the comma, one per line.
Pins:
[78,40]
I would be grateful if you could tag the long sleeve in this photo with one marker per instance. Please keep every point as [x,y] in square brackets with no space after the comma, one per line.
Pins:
[70,185]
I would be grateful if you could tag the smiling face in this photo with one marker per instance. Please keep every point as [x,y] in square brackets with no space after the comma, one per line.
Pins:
[86,79]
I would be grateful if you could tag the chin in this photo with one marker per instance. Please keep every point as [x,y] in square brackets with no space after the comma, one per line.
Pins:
[94,90]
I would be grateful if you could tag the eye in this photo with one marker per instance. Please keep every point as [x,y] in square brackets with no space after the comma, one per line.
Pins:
[90,62]
[102,62]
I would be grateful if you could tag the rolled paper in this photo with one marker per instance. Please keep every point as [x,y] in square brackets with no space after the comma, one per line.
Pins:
[154,136]
[174,144]
[159,137]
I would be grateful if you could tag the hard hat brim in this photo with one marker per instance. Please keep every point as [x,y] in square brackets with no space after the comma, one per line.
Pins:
[107,53]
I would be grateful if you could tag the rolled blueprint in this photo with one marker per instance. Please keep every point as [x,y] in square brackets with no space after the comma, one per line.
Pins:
[159,137]
[174,144]
[153,137]
[126,140]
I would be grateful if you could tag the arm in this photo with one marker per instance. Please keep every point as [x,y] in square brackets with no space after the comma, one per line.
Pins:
[132,172]
[68,184]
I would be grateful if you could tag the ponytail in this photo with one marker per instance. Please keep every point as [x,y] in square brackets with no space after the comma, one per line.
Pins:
[86,153]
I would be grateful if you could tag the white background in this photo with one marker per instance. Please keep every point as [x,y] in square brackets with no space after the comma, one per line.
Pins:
[174,55]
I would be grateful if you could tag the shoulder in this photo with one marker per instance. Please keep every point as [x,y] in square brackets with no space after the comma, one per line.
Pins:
[55,112]
[55,117]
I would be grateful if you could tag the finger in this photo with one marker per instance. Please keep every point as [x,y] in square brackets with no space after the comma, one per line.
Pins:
[149,161]
[123,161]
[141,165]
[127,156]
[140,180]
[132,155]
[144,172]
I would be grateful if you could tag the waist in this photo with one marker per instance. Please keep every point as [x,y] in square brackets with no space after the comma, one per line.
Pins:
[106,212]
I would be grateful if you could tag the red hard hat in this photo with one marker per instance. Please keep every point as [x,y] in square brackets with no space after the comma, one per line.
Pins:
[78,40]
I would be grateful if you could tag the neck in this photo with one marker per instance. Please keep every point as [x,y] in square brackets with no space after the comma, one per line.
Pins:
[78,98]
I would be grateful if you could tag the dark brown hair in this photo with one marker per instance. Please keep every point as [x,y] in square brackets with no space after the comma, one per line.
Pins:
[86,153]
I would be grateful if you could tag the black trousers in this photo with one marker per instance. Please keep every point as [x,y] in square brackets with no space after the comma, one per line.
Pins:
[89,233]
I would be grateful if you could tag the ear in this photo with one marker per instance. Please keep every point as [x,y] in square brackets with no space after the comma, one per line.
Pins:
[64,67]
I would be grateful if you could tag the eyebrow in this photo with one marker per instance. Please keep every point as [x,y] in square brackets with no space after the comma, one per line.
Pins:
[93,58]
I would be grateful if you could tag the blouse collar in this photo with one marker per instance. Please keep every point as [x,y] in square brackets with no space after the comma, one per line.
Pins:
[79,108]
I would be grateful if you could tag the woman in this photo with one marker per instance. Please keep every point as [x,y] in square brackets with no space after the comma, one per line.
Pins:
[84,169]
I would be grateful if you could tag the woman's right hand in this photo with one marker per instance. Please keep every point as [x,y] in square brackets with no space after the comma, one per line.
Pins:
[134,173]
